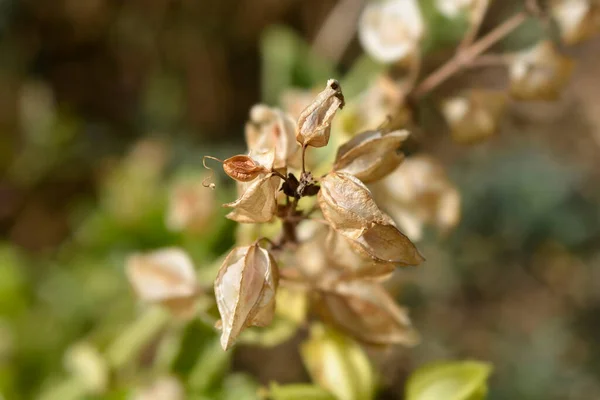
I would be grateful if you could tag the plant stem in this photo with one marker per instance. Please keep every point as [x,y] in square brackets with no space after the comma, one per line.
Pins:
[464,57]
[303,158]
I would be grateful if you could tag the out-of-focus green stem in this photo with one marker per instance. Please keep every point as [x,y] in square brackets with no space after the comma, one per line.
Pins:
[136,336]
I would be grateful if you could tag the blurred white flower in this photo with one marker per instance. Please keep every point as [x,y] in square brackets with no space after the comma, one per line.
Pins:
[391,30]
[577,20]
[85,363]
[453,8]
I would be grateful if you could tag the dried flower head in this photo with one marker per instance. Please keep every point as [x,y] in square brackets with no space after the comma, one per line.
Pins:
[370,155]
[314,124]
[245,291]
[391,30]
[166,277]
[577,20]
[475,115]
[417,193]
[539,73]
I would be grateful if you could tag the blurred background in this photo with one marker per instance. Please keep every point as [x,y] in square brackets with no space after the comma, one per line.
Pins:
[107,106]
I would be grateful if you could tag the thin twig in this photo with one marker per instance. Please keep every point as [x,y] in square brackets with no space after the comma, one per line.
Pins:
[303,158]
[464,57]
[471,34]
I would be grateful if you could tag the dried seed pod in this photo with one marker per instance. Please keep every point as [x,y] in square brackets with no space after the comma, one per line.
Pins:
[348,206]
[242,168]
[539,73]
[391,30]
[245,291]
[417,193]
[367,312]
[166,277]
[352,260]
[272,129]
[475,115]
[314,124]
[577,20]
[371,155]
[258,202]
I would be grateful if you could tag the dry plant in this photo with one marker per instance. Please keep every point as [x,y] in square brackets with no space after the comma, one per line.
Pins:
[334,229]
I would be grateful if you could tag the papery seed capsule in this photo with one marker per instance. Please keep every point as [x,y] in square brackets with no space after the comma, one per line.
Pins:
[314,124]
[242,168]
[245,291]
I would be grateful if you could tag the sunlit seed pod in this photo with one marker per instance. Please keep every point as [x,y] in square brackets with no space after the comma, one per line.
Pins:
[245,290]
[314,124]
[165,277]
[391,30]
[349,208]
[475,115]
[272,129]
[242,168]
[577,20]
[258,202]
[365,311]
[539,73]
[371,155]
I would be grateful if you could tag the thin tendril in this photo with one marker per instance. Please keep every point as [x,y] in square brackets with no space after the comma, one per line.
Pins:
[212,172]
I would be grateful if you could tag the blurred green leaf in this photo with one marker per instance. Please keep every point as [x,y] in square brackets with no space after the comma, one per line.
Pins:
[338,364]
[464,380]
[298,392]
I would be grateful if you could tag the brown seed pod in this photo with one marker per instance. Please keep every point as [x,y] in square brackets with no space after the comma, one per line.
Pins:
[314,124]
[242,168]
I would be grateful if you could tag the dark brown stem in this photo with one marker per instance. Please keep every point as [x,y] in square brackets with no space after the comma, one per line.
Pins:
[279,174]
[463,57]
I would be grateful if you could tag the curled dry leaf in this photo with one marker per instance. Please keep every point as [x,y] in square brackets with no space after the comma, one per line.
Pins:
[349,208]
[191,206]
[539,73]
[475,115]
[391,30]
[243,168]
[577,20]
[165,277]
[371,155]
[368,313]
[314,124]
[417,193]
[258,203]
[272,129]
[245,291]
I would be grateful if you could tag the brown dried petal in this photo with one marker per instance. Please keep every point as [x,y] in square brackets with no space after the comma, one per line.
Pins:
[245,291]
[314,124]
[258,203]
[370,155]
[539,73]
[368,313]
[242,168]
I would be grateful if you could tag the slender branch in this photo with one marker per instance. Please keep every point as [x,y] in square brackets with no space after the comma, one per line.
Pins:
[279,174]
[464,57]
[303,158]
[471,34]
